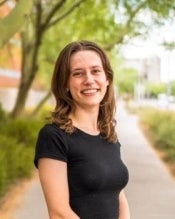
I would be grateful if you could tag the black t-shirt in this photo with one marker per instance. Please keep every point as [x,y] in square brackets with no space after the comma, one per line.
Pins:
[96,173]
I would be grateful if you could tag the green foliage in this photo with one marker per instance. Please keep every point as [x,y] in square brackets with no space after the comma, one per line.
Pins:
[153,89]
[53,24]
[96,25]
[23,130]
[156,88]
[45,113]
[14,20]
[17,143]
[173,88]
[3,115]
[163,8]
[125,78]
[161,128]
[15,161]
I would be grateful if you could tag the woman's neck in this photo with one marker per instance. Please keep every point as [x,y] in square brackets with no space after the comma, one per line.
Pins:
[85,120]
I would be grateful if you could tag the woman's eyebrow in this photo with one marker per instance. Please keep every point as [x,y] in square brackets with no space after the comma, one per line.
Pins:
[75,69]
[80,69]
[96,66]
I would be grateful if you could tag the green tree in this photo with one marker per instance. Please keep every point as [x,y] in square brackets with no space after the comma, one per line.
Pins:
[109,23]
[14,20]
[45,14]
[173,88]
[126,79]
[156,88]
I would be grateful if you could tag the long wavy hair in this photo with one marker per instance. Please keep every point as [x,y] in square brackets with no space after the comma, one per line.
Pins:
[65,103]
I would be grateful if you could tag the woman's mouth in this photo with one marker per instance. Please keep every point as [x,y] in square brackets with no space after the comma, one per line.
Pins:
[90,91]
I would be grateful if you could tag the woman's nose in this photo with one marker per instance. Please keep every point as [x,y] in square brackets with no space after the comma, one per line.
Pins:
[88,78]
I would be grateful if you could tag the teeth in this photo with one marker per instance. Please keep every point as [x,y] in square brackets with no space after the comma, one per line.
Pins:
[89,91]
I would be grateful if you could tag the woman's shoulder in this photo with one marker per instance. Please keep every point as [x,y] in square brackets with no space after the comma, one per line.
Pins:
[51,132]
[51,143]
[51,127]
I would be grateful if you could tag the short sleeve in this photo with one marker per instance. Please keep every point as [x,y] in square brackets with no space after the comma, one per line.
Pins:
[51,143]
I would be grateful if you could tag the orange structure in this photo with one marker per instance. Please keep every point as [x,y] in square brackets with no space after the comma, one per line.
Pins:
[10,56]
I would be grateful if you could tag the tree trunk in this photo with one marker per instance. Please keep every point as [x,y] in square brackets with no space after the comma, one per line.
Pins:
[21,99]
[30,49]
[41,103]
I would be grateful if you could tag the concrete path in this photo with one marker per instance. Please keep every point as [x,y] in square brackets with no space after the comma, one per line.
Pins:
[151,189]
[33,204]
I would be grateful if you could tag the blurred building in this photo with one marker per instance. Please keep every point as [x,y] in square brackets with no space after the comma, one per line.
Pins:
[9,83]
[10,62]
[9,78]
[149,71]
[10,55]
[148,68]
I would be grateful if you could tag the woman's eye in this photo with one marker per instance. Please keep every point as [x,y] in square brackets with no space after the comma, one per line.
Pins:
[96,71]
[77,74]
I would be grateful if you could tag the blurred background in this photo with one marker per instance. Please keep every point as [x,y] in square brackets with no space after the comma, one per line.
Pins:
[138,36]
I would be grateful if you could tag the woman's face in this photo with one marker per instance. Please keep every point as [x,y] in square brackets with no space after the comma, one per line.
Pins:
[87,82]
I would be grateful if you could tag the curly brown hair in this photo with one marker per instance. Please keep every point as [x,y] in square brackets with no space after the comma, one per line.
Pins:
[65,103]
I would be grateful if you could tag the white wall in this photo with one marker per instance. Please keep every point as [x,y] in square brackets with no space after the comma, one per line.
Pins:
[8,98]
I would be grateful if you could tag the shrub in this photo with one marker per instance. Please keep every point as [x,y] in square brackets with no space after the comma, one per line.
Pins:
[3,115]
[3,173]
[17,143]
[156,88]
[161,128]
[15,161]
[23,130]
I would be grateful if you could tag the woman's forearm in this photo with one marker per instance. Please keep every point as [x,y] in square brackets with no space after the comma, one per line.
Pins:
[124,212]
[69,214]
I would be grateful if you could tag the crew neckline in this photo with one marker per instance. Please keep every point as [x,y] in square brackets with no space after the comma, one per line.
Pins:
[86,133]
[81,131]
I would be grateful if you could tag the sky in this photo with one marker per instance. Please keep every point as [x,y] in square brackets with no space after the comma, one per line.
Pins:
[152,46]
[148,49]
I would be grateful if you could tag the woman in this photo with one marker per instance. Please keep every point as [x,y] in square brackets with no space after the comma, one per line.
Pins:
[78,154]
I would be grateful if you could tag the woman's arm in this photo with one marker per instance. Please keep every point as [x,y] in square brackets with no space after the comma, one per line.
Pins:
[123,206]
[53,178]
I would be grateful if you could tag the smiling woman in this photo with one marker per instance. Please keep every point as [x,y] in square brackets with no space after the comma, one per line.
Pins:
[88,82]
[75,183]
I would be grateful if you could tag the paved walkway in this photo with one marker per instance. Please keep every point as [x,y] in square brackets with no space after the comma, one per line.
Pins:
[151,189]
[32,205]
